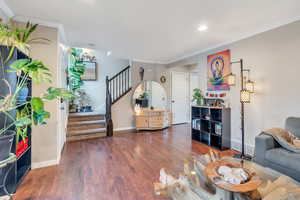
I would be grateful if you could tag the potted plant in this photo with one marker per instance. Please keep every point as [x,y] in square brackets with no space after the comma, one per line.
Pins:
[83,101]
[143,100]
[18,117]
[198,96]
[76,70]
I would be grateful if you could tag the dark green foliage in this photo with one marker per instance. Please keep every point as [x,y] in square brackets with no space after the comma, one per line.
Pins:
[198,96]
[75,70]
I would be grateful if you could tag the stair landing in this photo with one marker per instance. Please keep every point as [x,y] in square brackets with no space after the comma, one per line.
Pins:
[83,126]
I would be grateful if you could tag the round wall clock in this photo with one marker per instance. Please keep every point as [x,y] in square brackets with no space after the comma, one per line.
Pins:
[163,79]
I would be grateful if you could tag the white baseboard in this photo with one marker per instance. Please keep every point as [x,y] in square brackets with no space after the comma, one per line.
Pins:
[44,164]
[124,128]
[237,145]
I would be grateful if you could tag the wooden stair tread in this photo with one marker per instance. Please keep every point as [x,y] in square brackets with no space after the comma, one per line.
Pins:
[81,114]
[101,121]
[85,127]
[86,118]
[73,124]
[86,136]
[86,131]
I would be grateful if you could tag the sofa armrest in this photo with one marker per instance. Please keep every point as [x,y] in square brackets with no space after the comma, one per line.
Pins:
[263,143]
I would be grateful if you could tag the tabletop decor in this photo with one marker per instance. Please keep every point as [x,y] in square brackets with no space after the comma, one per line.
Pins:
[251,183]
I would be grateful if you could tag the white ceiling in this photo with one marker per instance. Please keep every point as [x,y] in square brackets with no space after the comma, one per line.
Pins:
[158,30]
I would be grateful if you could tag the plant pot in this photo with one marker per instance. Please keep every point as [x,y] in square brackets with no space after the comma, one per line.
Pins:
[6,141]
[23,94]
[200,102]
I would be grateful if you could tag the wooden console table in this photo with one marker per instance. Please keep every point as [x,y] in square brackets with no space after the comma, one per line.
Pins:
[153,119]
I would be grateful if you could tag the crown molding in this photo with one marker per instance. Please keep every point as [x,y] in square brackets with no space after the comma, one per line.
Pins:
[42,22]
[7,11]
[265,29]
[150,61]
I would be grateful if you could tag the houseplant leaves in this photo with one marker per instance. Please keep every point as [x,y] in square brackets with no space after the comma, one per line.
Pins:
[35,69]
[38,112]
[56,93]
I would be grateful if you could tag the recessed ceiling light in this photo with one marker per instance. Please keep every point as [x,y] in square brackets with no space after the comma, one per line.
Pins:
[202,28]
[108,53]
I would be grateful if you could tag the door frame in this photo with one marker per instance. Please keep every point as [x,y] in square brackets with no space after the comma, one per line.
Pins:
[190,92]
[187,95]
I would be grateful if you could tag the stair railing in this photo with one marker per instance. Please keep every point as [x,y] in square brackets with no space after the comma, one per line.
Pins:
[116,87]
[109,122]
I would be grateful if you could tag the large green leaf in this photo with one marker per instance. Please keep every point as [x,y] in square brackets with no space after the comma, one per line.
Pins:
[39,118]
[55,93]
[37,104]
[35,69]
[19,64]
[38,112]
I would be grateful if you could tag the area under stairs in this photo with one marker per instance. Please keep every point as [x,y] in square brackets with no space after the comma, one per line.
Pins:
[86,126]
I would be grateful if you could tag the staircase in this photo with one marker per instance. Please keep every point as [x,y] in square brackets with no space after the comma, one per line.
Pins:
[88,126]
[85,126]
[116,87]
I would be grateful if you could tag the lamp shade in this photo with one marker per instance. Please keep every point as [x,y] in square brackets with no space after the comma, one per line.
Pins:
[245,96]
[231,79]
[250,86]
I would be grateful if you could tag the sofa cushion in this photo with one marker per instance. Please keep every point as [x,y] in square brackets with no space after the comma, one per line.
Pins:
[292,124]
[284,158]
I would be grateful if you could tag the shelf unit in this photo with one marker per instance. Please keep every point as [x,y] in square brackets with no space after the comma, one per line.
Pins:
[23,164]
[211,126]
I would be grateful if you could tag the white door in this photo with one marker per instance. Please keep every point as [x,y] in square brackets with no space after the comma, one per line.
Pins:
[180,96]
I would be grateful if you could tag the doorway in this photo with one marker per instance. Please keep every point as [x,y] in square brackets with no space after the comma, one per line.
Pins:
[180,97]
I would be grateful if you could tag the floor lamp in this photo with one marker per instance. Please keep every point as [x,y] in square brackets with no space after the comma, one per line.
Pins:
[247,87]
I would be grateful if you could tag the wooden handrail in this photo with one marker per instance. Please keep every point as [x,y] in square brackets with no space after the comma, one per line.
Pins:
[119,73]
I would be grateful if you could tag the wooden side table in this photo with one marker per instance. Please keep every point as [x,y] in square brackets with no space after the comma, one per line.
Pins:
[9,161]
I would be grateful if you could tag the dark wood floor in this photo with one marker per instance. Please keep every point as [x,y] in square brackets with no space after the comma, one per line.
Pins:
[123,167]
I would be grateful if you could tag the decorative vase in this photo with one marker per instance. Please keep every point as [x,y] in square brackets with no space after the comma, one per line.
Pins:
[6,141]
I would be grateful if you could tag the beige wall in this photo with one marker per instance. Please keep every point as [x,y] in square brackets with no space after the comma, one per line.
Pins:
[122,111]
[106,66]
[272,57]
[45,138]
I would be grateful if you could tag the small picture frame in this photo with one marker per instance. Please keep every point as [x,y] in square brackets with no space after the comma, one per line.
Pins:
[90,73]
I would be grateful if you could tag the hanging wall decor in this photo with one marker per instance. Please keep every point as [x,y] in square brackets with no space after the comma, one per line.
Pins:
[90,73]
[218,70]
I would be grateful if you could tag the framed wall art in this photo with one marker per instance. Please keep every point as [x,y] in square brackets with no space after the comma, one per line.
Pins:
[90,73]
[219,68]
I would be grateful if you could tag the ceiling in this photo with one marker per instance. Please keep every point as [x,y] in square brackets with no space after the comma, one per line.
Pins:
[158,30]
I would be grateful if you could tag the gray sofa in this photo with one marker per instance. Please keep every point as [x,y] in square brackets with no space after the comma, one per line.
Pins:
[270,154]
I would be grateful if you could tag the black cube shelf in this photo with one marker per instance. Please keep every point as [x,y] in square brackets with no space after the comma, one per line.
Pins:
[211,126]
[23,163]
